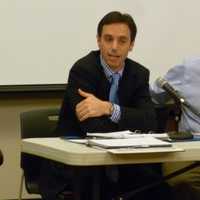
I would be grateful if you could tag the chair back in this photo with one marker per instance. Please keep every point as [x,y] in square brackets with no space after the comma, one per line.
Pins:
[168,116]
[39,123]
[36,123]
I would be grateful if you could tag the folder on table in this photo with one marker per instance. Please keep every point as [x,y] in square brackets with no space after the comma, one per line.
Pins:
[141,142]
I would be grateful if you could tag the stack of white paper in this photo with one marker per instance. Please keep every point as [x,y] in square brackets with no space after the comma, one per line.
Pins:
[140,142]
[128,134]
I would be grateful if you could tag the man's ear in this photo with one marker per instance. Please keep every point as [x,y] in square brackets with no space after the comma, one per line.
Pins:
[98,41]
[131,46]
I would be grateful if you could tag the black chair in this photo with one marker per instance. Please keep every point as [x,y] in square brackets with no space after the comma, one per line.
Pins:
[36,123]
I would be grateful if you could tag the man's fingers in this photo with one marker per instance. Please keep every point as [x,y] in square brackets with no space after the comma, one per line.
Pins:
[84,117]
[83,114]
[84,94]
[82,110]
[82,105]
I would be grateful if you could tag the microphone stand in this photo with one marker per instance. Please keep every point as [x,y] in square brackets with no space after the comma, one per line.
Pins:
[181,103]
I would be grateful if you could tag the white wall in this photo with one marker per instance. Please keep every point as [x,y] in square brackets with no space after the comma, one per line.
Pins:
[41,39]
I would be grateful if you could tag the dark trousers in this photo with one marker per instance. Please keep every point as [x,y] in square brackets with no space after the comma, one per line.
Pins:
[131,178]
[115,181]
[56,178]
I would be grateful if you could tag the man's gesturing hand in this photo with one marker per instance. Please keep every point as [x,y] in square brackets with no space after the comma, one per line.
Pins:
[91,106]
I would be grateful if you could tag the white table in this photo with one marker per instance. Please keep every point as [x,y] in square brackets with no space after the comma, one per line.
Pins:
[80,155]
[69,153]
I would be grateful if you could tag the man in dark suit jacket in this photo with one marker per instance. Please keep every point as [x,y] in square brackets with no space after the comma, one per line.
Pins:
[133,92]
[87,106]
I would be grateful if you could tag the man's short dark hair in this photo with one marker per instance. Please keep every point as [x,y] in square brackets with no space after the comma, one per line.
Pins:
[117,17]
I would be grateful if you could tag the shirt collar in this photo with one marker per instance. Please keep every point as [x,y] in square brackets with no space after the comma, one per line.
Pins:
[108,71]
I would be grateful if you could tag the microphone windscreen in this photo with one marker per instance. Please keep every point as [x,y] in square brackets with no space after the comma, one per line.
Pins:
[160,82]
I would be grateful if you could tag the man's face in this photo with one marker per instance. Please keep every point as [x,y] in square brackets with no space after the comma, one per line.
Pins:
[114,44]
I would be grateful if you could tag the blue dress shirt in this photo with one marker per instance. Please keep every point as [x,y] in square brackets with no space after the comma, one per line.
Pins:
[115,117]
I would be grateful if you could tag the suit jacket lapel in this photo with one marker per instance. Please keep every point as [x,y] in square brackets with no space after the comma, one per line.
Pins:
[103,87]
[126,85]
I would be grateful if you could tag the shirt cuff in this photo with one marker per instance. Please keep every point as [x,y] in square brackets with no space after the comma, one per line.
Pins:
[116,114]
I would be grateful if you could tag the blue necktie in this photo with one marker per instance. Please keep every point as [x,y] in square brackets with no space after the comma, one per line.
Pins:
[113,97]
[112,171]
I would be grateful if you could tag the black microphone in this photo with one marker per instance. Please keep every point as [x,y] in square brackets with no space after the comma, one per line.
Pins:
[162,83]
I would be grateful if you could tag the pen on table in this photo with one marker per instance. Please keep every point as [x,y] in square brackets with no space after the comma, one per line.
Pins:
[70,137]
